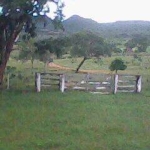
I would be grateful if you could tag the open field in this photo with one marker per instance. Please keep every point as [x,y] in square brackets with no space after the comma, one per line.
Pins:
[74,120]
[134,67]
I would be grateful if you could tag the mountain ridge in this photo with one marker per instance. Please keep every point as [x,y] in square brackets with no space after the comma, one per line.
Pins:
[113,29]
[118,29]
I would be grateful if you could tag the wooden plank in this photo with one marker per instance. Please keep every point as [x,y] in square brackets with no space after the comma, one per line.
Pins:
[100,93]
[50,80]
[79,88]
[44,84]
[126,86]
[106,83]
[94,82]
[50,74]
[126,91]
[101,88]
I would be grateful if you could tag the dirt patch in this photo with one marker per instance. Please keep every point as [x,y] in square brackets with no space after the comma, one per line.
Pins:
[59,67]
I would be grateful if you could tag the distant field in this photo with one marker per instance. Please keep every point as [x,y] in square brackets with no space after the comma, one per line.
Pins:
[74,121]
[134,67]
[91,65]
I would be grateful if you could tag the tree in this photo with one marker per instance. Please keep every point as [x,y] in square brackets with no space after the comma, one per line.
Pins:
[117,64]
[87,45]
[17,15]
[28,50]
[53,45]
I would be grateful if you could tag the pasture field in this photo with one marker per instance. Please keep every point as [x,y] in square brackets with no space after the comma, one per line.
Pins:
[26,80]
[74,120]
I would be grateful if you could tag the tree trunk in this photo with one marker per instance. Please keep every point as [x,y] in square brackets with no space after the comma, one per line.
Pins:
[81,63]
[3,66]
[6,50]
[7,39]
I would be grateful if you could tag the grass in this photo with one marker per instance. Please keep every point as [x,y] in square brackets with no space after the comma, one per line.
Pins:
[74,120]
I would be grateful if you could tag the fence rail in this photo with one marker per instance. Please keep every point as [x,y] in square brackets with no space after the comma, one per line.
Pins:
[49,80]
[95,83]
[127,83]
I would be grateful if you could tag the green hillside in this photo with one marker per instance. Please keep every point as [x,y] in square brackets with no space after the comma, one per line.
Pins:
[120,30]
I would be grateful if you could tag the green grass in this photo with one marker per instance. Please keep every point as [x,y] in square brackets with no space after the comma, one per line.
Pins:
[51,120]
[133,67]
[74,121]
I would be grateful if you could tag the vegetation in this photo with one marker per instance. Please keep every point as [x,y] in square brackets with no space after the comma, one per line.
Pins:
[87,45]
[55,46]
[139,42]
[18,15]
[27,51]
[74,120]
[117,64]
[120,30]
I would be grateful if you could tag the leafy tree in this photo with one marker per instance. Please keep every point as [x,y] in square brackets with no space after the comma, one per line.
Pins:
[117,64]
[17,15]
[87,45]
[53,45]
[28,50]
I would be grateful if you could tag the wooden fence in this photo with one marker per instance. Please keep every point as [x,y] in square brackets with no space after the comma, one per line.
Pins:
[48,80]
[95,83]
[127,83]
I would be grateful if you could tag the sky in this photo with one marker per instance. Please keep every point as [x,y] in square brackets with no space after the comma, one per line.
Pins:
[108,10]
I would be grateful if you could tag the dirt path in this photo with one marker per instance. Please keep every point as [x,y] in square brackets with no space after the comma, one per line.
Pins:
[59,67]
[53,65]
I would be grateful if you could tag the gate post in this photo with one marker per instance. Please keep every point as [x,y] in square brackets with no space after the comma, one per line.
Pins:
[38,82]
[115,83]
[62,83]
[138,84]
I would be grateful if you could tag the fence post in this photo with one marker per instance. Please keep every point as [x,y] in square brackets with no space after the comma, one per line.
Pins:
[138,84]
[87,81]
[38,82]
[115,83]
[62,83]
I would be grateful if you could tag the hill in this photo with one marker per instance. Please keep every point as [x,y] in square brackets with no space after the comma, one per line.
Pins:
[74,24]
[119,29]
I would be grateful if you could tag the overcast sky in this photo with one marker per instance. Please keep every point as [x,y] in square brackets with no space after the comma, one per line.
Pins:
[108,10]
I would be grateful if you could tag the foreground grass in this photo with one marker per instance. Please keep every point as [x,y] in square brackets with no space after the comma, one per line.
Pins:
[74,121]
